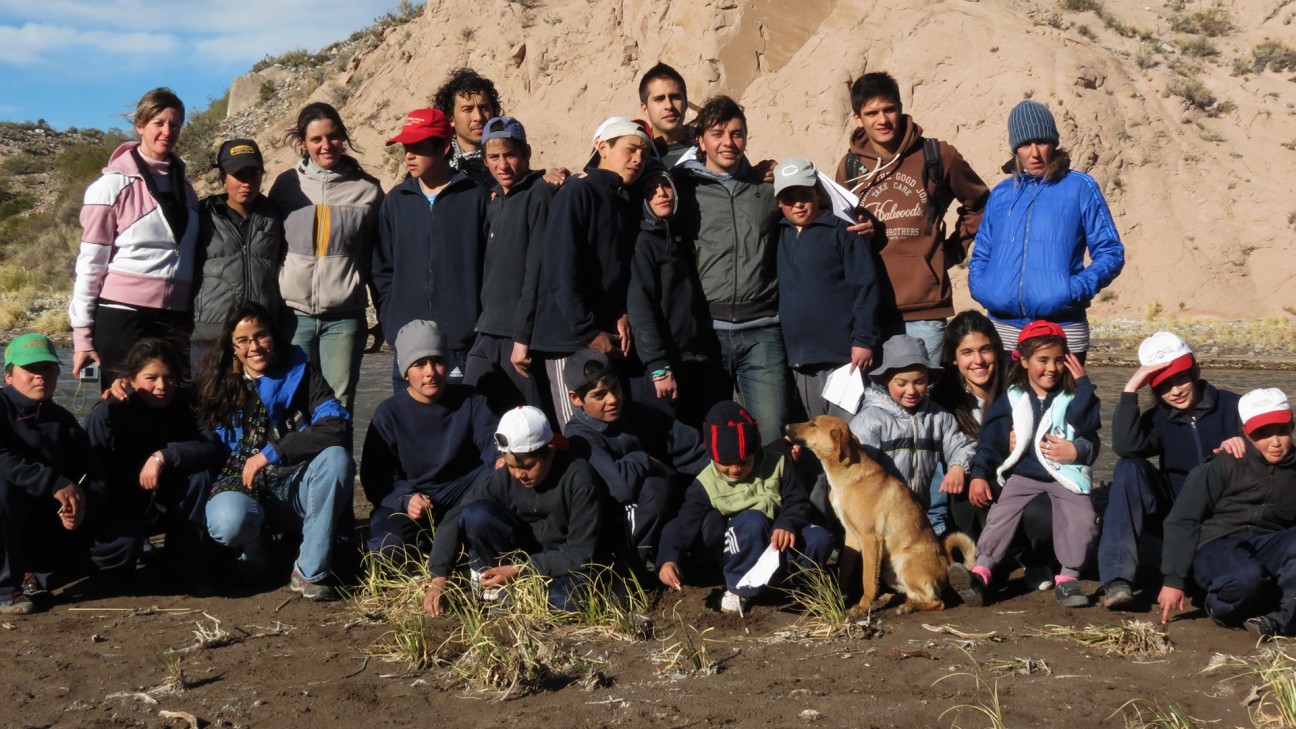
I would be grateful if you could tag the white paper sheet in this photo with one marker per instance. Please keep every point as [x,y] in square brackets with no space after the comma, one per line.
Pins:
[761,572]
[844,389]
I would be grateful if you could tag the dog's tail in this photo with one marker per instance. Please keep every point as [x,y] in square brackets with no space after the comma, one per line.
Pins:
[963,544]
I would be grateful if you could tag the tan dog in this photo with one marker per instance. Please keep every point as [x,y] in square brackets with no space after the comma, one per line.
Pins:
[886,531]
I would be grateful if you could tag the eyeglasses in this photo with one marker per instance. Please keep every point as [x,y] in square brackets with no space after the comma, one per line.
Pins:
[264,339]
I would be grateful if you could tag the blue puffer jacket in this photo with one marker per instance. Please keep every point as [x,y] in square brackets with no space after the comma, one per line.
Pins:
[1028,259]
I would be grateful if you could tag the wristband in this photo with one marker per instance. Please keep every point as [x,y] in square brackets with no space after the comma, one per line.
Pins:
[158,457]
[660,374]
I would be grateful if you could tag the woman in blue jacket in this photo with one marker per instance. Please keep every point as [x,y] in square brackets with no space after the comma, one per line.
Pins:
[1028,260]
[289,441]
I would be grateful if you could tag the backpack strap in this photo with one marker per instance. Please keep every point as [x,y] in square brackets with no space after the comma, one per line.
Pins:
[854,168]
[933,173]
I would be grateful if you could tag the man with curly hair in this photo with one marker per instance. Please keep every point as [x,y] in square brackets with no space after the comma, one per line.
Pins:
[468,99]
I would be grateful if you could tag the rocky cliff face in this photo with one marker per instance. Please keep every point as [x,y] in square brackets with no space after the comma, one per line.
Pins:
[1195,147]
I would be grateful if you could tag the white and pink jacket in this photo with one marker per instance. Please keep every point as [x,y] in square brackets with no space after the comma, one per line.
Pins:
[129,253]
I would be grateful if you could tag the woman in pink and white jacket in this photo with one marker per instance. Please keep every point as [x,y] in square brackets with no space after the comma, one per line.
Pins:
[134,273]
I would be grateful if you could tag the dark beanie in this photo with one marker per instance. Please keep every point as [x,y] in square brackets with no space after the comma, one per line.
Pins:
[1031,121]
[731,433]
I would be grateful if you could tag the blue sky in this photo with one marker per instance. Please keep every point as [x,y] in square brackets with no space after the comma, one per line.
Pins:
[85,63]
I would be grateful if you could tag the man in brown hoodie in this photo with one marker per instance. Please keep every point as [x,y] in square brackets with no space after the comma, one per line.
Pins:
[906,191]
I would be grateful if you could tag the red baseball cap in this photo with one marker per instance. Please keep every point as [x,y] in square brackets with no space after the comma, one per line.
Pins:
[1040,328]
[422,124]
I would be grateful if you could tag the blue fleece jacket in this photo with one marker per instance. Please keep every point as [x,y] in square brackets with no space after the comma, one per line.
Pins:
[589,241]
[428,263]
[437,449]
[828,292]
[1028,260]
[1181,439]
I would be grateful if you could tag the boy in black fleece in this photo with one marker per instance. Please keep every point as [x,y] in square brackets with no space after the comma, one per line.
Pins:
[828,293]
[544,503]
[426,446]
[589,240]
[499,363]
[431,242]
[668,312]
[47,519]
[643,456]
[750,500]
[1234,526]
[1190,422]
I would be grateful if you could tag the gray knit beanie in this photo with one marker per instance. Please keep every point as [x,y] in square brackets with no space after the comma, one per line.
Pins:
[416,340]
[1031,121]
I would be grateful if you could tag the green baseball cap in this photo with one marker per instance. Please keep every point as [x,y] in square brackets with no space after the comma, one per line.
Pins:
[29,349]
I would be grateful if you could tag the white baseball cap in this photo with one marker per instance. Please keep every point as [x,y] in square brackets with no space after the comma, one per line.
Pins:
[1266,406]
[1166,348]
[524,429]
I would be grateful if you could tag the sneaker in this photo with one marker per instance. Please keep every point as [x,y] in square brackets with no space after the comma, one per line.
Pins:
[1262,626]
[970,587]
[1039,578]
[1117,594]
[316,591]
[31,585]
[492,594]
[17,605]
[731,604]
[1070,594]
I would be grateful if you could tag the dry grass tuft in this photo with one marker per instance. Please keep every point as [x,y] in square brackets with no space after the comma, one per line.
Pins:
[684,652]
[1130,638]
[825,615]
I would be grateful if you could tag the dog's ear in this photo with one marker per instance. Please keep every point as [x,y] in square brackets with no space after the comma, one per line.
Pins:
[841,438]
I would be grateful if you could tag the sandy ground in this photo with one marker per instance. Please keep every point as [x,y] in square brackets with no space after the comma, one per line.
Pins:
[94,660]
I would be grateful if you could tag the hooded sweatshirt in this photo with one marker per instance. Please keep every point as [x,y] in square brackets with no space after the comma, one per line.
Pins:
[908,444]
[133,252]
[331,227]
[668,313]
[916,255]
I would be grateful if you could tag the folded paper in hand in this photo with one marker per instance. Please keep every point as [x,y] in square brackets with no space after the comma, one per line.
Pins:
[845,389]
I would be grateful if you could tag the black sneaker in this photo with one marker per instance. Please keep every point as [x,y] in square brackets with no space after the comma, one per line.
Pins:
[1261,626]
[1070,594]
[970,587]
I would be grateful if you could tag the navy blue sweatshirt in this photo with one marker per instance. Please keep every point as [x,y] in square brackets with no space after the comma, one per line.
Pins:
[43,448]
[589,240]
[828,292]
[436,449]
[513,252]
[428,263]
[563,513]
[1181,439]
[992,448]
[621,451]
[668,312]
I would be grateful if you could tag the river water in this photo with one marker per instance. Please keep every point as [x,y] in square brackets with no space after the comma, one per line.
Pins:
[375,385]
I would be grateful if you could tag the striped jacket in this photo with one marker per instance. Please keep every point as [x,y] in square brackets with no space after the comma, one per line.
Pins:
[909,445]
[331,226]
[129,252]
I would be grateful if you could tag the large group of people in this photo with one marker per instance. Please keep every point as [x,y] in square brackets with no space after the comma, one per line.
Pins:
[567,351]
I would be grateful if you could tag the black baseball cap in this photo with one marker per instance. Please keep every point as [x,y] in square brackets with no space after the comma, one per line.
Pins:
[236,155]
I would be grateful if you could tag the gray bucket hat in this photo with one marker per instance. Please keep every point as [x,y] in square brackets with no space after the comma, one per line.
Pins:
[903,351]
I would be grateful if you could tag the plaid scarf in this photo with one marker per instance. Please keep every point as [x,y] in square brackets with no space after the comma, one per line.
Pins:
[256,432]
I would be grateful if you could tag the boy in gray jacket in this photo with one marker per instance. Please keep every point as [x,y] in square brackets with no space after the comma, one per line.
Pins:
[909,434]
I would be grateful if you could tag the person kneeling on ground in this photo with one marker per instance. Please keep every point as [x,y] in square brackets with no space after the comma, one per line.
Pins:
[1234,525]
[644,457]
[1190,421]
[47,520]
[544,503]
[289,444]
[750,500]
[426,446]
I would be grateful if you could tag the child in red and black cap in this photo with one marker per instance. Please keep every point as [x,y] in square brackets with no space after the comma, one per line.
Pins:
[748,499]
[1039,437]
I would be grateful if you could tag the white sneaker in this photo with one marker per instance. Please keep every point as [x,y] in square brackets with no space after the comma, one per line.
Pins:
[485,595]
[1040,578]
[731,604]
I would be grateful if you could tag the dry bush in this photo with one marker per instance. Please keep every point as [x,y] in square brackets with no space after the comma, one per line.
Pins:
[1193,92]
[1130,638]
[1212,22]
[1273,55]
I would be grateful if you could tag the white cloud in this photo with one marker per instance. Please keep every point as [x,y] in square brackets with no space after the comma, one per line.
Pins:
[34,42]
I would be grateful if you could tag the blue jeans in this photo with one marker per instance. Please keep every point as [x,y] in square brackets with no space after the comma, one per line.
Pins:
[335,346]
[317,494]
[756,363]
[490,531]
[932,333]
[747,537]
[1139,494]
[938,513]
[1240,575]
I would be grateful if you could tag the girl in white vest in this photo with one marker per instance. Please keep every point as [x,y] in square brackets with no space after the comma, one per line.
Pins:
[1040,437]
